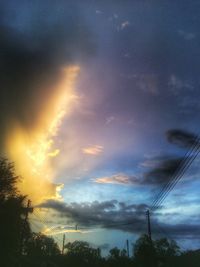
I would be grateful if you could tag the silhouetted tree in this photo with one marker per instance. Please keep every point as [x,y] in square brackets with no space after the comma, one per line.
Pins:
[155,253]
[40,251]
[144,252]
[80,253]
[39,245]
[8,180]
[114,253]
[12,209]
[118,257]
[165,250]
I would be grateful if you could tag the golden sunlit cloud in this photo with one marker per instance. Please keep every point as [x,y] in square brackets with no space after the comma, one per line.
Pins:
[117,179]
[93,150]
[57,232]
[33,149]
[54,153]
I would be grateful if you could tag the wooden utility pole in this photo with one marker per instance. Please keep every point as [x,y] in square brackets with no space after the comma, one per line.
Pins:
[63,244]
[149,225]
[24,224]
[127,246]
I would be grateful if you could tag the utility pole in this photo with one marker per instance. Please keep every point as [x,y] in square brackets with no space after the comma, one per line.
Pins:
[63,245]
[149,224]
[24,224]
[127,246]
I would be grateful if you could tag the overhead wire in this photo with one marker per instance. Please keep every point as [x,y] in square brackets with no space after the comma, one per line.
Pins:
[176,180]
[164,188]
[183,166]
[188,159]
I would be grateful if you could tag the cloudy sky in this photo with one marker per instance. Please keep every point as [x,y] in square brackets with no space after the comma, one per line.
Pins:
[99,106]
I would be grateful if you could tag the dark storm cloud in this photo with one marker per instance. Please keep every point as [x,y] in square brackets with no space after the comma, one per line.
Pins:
[34,45]
[117,215]
[181,138]
[107,214]
[182,230]
[163,171]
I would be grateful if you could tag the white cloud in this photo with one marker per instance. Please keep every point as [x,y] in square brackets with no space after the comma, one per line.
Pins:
[125,24]
[93,150]
[117,179]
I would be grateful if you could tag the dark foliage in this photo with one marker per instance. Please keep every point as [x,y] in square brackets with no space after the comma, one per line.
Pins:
[19,247]
[12,212]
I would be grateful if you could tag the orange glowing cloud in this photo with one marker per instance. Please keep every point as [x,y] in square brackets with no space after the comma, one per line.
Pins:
[119,178]
[93,150]
[32,150]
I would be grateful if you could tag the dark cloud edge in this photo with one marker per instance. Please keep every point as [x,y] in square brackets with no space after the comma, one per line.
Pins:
[116,215]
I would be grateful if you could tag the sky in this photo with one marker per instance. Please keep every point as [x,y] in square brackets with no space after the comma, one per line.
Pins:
[99,105]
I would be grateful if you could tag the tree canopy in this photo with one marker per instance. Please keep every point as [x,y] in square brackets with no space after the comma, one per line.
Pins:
[19,246]
[12,212]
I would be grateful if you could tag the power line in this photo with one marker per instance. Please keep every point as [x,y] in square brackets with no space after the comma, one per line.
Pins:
[36,226]
[24,227]
[42,217]
[183,166]
[173,184]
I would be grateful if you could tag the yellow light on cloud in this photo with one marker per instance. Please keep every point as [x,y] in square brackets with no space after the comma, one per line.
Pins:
[57,232]
[32,149]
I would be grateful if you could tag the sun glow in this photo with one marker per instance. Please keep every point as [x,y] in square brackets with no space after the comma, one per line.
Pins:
[33,150]
[51,232]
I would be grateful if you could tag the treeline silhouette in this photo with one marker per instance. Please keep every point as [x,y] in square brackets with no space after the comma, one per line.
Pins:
[20,247]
